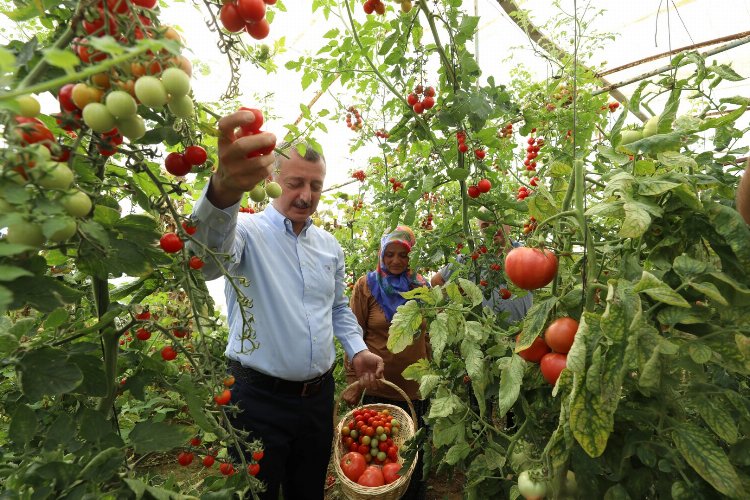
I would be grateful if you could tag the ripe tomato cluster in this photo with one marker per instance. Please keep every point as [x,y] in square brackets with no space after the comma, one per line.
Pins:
[247,15]
[382,134]
[180,164]
[612,106]
[358,123]
[551,351]
[395,184]
[481,187]
[505,132]
[421,104]
[427,222]
[529,226]
[247,210]
[532,151]
[359,175]
[369,433]
[376,6]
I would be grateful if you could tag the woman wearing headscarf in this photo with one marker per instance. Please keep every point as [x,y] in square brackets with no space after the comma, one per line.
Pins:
[374,301]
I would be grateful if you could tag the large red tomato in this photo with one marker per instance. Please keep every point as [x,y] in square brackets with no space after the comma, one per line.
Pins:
[560,334]
[535,351]
[551,365]
[353,465]
[372,476]
[390,472]
[530,268]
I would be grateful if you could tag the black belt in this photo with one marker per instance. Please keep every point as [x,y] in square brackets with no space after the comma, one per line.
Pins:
[306,388]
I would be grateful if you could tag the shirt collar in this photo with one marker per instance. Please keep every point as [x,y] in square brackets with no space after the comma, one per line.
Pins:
[281,222]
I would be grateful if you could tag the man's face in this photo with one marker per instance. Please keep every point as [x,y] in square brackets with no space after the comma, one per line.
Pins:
[302,184]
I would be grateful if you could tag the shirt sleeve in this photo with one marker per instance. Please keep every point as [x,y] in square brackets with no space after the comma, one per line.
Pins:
[345,325]
[359,303]
[217,230]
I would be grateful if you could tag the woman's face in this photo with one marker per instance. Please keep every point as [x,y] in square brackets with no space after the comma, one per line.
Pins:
[396,258]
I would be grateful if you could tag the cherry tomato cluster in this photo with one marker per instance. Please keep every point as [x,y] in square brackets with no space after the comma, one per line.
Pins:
[427,222]
[529,226]
[247,210]
[551,351]
[359,175]
[180,164]
[395,184]
[421,104]
[247,15]
[612,106]
[369,434]
[532,151]
[461,139]
[253,128]
[382,134]
[523,193]
[505,132]
[357,124]
[481,187]
[376,6]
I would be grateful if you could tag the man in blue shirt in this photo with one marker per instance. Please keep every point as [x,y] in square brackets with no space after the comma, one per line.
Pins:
[295,283]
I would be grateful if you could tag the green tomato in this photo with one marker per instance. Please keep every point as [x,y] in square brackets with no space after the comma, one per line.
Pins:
[133,127]
[532,486]
[77,204]
[151,92]
[651,126]
[571,485]
[273,189]
[121,104]
[53,175]
[629,136]
[176,82]
[25,233]
[28,106]
[181,106]
[98,118]
[258,193]
[65,232]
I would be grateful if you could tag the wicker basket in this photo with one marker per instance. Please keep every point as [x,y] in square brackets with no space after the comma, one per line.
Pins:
[396,489]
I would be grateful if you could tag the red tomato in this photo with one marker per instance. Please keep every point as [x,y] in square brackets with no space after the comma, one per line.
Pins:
[224,398]
[65,97]
[484,185]
[253,469]
[372,476]
[146,4]
[143,334]
[560,334]
[390,472]
[258,30]
[530,268]
[196,441]
[176,164]
[231,18]
[254,126]
[189,227]
[32,130]
[208,461]
[185,458]
[195,262]
[195,155]
[392,451]
[170,243]
[505,293]
[227,469]
[258,455]
[551,365]
[168,353]
[353,465]
[179,332]
[535,351]
[364,449]
[473,192]
[251,11]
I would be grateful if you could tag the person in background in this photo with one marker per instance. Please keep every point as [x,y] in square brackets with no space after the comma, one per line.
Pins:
[284,389]
[743,194]
[517,307]
[374,301]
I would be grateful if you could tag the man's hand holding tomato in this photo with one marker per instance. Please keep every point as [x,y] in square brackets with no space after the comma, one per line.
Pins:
[236,173]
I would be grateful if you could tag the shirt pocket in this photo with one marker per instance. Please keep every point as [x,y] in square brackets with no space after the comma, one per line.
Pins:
[325,276]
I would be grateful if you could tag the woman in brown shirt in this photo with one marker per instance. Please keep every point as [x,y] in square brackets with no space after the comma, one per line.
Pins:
[374,300]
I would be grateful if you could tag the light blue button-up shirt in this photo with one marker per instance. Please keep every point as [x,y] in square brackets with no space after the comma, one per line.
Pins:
[296,285]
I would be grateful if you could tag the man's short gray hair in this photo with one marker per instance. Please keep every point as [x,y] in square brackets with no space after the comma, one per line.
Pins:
[310,154]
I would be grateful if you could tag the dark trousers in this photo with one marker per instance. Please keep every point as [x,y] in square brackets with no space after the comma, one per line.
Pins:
[417,487]
[296,432]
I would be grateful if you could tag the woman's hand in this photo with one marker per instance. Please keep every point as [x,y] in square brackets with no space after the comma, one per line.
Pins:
[369,368]
[352,394]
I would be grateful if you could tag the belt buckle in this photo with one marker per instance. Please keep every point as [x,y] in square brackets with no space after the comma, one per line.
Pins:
[311,388]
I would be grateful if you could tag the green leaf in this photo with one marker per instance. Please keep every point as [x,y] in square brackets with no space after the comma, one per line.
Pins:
[714,412]
[725,71]
[56,318]
[730,224]
[637,220]
[439,335]
[472,291]
[534,322]
[511,377]
[60,58]
[456,453]
[92,369]
[688,267]
[47,371]
[106,216]
[707,459]
[659,291]
[710,291]
[644,167]
[447,432]
[405,325]
[9,273]
[158,436]
[104,465]
[653,187]
[43,293]
[445,406]
[8,343]
[22,427]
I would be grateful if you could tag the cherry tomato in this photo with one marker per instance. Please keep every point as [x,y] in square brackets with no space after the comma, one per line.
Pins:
[171,243]
[168,353]
[185,458]
[551,365]
[195,155]
[230,18]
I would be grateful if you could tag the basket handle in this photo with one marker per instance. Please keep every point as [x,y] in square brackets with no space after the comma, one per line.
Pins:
[386,382]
